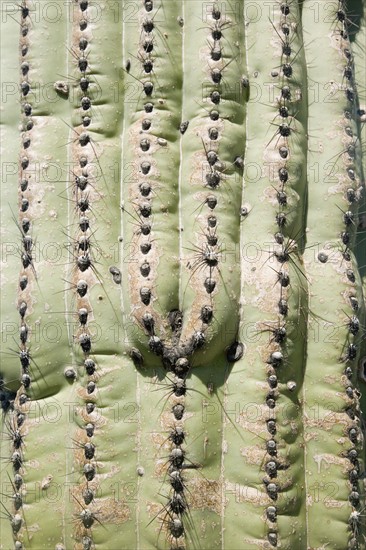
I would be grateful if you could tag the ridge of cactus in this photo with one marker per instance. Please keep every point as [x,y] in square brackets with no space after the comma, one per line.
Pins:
[342,442]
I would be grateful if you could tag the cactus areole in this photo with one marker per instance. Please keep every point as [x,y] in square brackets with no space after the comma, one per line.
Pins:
[183,259]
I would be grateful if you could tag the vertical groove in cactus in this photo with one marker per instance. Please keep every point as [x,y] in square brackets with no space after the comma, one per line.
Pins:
[183,275]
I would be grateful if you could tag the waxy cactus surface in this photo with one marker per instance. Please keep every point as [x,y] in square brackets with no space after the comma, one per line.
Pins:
[183,259]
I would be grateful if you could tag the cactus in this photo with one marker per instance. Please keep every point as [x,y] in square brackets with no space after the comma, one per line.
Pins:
[183,274]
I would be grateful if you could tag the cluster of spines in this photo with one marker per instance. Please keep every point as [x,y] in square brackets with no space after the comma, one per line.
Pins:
[176,509]
[143,198]
[352,196]
[215,168]
[17,420]
[282,256]
[341,19]
[284,128]
[209,255]
[213,176]
[82,183]
[146,56]
[25,223]
[18,417]
[84,263]
[84,82]
[146,53]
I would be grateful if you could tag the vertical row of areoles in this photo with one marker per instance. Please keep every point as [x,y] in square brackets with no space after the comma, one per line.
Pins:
[18,416]
[144,208]
[352,196]
[282,254]
[172,513]
[84,264]
[208,256]
[214,167]
[143,201]
[177,506]
[211,145]
[25,187]
[175,511]
[213,174]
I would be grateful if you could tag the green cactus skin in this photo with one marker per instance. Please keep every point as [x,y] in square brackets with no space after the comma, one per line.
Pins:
[261,293]
[194,336]
[330,403]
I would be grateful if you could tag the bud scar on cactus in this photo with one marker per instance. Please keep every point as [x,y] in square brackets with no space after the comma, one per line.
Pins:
[183,350]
